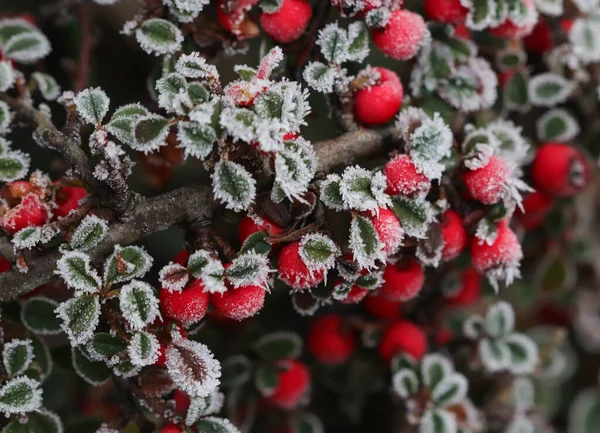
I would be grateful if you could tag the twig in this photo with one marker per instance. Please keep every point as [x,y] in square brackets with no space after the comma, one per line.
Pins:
[86,45]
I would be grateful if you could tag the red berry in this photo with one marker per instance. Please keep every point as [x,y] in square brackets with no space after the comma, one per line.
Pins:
[536,206]
[381,307]
[540,40]
[239,303]
[294,381]
[31,212]
[443,336]
[487,184]
[404,179]
[170,428]
[505,251]
[454,235]
[18,189]
[469,289]
[462,31]
[249,226]
[447,11]
[67,199]
[188,306]
[566,24]
[560,170]
[4,265]
[234,20]
[294,272]
[289,22]
[403,280]
[355,295]
[182,257]
[386,95]
[505,76]
[329,340]
[401,38]
[182,401]
[388,229]
[509,30]
[403,337]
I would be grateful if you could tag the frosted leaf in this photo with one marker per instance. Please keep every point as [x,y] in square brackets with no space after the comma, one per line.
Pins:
[409,119]
[20,395]
[193,367]
[473,326]
[125,370]
[14,165]
[16,356]
[318,252]
[378,17]
[245,72]
[126,263]
[585,39]
[5,117]
[216,424]
[143,349]
[27,47]
[553,8]
[202,406]
[75,268]
[362,190]
[429,143]
[269,134]
[451,390]
[173,94]
[7,75]
[195,139]
[91,231]
[195,66]
[471,87]
[80,317]
[365,244]
[150,133]
[557,125]
[438,421]
[487,231]
[434,369]
[209,269]
[510,143]
[27,238]
[284,101]
[295,167]
[358,38]
[500,319]
[405,383]
[523,354]
[587,6]
[158,36]
[415,216]
[203,112]
[548,89]
[239,123]
[334,43]
[494,355]
[233,185]
[319,76]
[173,277]
[481,13]
[249,269]
[193,7]
[478,157]
[92,105]
[331,195]
[139,304]
[269,62]
[47,85]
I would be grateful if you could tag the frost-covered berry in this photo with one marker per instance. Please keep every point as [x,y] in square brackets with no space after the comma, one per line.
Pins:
[540,40]
[379,103]
[403,35]
[403,337]
[235,21]
[31,212]
[289,22]
[329,340]
[536,206]
[402,280]
[170,428]
[388,229]
[294,272]
[560,170]
[188,306]
[404,179]
[292,386]
[488,183]
[355,295]
[468,290]
[511,30]
[250,225]
[239,303]
[453,234]
[447,11]
[67,199]
[382,307]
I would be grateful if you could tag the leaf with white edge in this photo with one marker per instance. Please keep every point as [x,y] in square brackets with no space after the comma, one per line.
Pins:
[365,244]
[451,390]
[331,195]
[92,105]
[557,125]
[414,215]
[256,243]
[523,354]
[47,85]
[4,145]
[209,269]
[520,424]
[308,423]
[37,314]
[584,413]
[233,185]
[494,354]
[270,6]
[195,139]
[104,346]
[193,367]
[500,319]
[358,38]
[249,269]
[27,238]
[434,369]
[278,345]
[516,91]
[144,349]
[16,356]
[123,120]
[319,76]
[10,27]
[363,190]
[239,123]
[548,89]
[524,393]
[267,379]
[584,36]
[174,277]
[20,395]
[93,372]
[438,421]
[173,94]
[7,75]
[473,326]
[295,167]
[27,47]
[91,231]
[195,66]
[405,383]
[334,43]
[5,118]
[216,425]
[150,133]
[42,421]
[481,14]
[125,369]
[236,370]
[42,356]
[75,268]
[202,406]
[80,317]
[158,36]
[318,251]
[126,263]
[139,304]
[245,72]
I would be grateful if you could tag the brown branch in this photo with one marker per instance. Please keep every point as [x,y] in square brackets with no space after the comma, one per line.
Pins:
[86,45]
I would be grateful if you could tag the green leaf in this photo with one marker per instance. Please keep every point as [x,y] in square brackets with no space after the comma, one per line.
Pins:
[150,133]
[516,92]
[358,37]
[500,319]
[523,354]
[584,413]
[365,244]
[267,379]
[13,166]
[134,263]
[27,47]
[438,421]
[106,345]
[13,27]
[233,185]
[27,238]
[90,232]
[42,356]
[319,76]
[92,105]
[414,215]
[37,314]
[434,369]
[331,194]
[235,371]
[494,354]
[93,372]
[216,425]
[75,268]
[451,390]
[158,36]
[481,12]
[278,345]
[195,139]
[256,242]
[198,93]
[247,73]
[20,395]
[43,421]
[405,383]
[7,75]
[334,44]
[80,317]
[549,89]
[47,85]
[138,304]
[16,356]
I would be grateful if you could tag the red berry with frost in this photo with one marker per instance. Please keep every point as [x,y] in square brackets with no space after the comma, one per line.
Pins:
[403,35]
[170,428]
[536,207]
[388,229]
[329,340]
[447,11]
[355,295]
[17,189]
[182,401]
[488,184]
[403,337]
[292,386]
[294,272]
[188,306]
[453,234]
[468,290]
[250,225]
[560,170]
[404,179]
[510,30]
[31,212]
[236,21]
[386,95]
[239,303]
[382,308]
[540,40]
[289,22]
[67,199]
[402,280]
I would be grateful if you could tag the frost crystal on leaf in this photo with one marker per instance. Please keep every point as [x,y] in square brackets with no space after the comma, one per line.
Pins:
[5,117]
[48,86]
[233,185]
[16,356]
[209,269]
[319,76]
[25,45]
[249,269]
[195,139]
[194,66]
[509,144]
[362,190]
[173,277]
[75,268]
[157,36]
[143,349]
[549,89]
[318,252]
[7,75]
[295,167]
[365,244]
[334,43]
[92,105]
[80,317]
[202,406]
[557,125]
[20,395]
[139,304]
[331,195]
[91,231]
[585,39]
[429,143]
[173,94]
